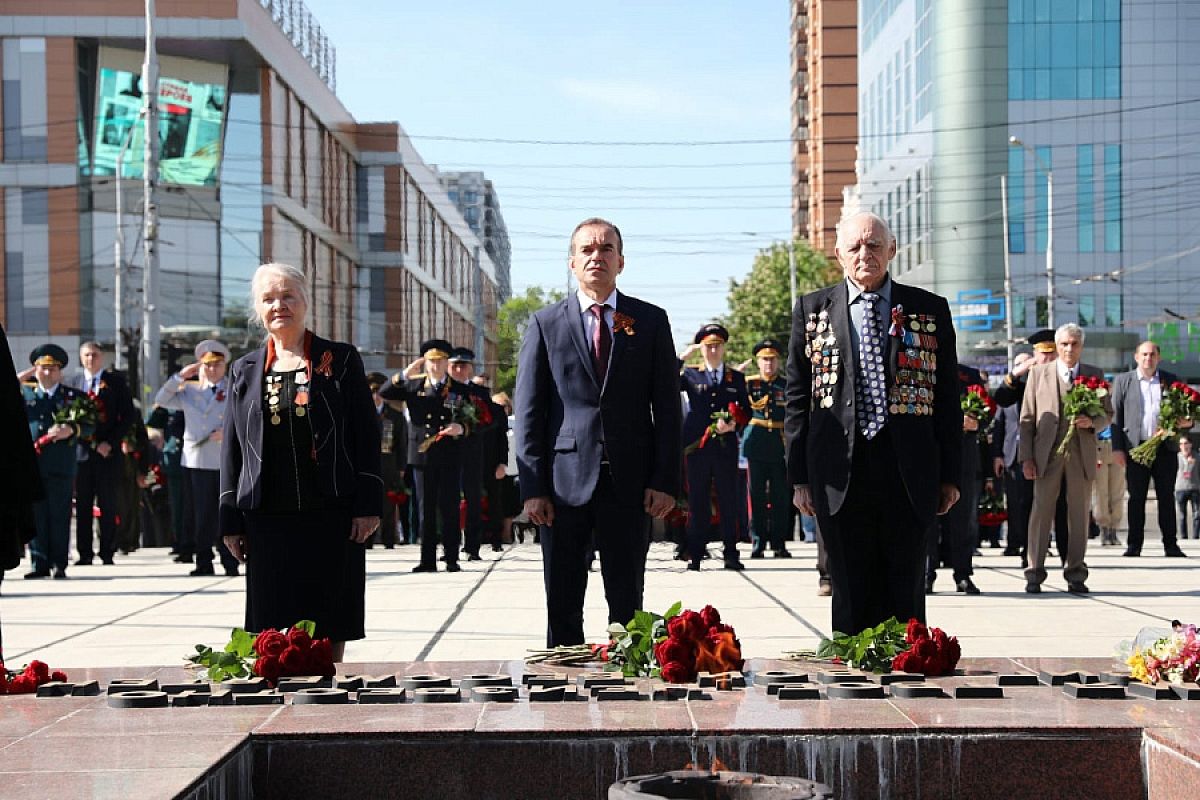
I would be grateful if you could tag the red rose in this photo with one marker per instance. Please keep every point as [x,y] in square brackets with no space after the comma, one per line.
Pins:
[677,627]
[39,670]
[292,661]
[320,657]
[58,675]
[677,672]
[710,616]
[925,649]
[299,637]
[673,649]
[23,684]
[916,631]
[905,662]
[270,643]
[267,667]
[696,629]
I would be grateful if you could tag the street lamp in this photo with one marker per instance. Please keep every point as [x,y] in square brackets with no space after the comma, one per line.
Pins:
[1013,141]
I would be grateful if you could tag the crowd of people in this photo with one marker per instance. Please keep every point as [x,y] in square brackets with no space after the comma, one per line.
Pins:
[292,460]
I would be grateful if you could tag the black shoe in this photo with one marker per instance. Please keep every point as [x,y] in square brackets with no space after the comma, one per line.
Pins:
[37,573]
[1024,562]
[693,566]
[967,585]
[1033,588]
[1077,587]
[474,557]
[83,562]
[107,561]
[757,554]
[736,566]
[1008,551]
[453,566]
[231,572]
[785,553]
[203,569]
[1175,552]
[182,558]
[60,574]
[1131,553]
[497,548]
[425,568]
[929,586]
[681,554]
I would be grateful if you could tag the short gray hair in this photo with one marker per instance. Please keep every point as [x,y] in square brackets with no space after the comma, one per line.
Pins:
[1069,330]
[294,275]
[596,221]
[845,221]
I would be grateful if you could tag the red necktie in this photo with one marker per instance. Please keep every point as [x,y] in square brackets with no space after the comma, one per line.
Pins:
[601,342]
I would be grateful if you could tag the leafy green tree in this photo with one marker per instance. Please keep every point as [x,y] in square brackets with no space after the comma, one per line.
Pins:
[510,328]
[760,304]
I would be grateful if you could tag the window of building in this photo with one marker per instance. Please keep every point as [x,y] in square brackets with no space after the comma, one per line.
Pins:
[1018,309]
[1112,198]
[1085,197]
[1016,200]
[1041,311]
[1064,49]
[1087,311]
[1112,310]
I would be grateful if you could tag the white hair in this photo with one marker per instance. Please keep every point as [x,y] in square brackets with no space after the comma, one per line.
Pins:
[293,275]
[1068,331]
[844,223]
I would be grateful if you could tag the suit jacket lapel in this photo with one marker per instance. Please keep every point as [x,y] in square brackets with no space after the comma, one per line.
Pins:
[1135,411]
[839,318]
[252,371]
[899,296]
[574,321]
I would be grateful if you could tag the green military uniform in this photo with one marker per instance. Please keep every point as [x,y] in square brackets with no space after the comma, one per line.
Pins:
[762,446]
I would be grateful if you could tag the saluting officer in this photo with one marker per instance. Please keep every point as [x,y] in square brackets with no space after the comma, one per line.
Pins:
[203,405]
[434,448]
[770,495]
[710,388]
[55,444]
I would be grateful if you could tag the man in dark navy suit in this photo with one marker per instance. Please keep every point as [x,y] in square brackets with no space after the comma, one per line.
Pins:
[597,431]
[712,459]
[874,426]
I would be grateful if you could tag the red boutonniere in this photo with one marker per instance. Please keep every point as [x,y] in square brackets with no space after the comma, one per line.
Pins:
[622,323]
[220,395]
[326,366]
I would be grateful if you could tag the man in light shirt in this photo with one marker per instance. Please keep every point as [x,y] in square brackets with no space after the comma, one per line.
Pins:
[1137,397]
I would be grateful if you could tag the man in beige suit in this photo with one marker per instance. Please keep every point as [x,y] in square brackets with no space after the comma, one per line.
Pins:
[1042,429]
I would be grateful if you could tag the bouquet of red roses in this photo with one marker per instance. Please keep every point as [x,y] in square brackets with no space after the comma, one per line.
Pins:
[1179,402]
[80,413]
[28,680]
[931,652]
[1082,399]
[892,645]
[980,406]
[731,413]
[676,646]
[271,654]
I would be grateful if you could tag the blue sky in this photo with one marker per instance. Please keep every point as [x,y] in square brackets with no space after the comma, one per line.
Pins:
[692,216]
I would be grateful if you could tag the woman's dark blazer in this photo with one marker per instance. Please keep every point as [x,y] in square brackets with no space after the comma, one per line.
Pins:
[345,433]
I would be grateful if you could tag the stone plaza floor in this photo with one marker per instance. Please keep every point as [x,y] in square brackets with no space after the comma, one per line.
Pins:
[146,610]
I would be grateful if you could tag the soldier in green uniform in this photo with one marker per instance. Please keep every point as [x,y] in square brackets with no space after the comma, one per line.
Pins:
[762,445]
[55,445]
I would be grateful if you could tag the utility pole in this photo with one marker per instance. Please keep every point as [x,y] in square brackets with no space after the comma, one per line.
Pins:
[151,374]
[119,256]
[1008,292]
[1049,246]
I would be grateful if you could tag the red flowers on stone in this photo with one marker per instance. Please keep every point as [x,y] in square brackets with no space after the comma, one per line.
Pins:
[294,653]
[28,680]
[695,643]
[931,651]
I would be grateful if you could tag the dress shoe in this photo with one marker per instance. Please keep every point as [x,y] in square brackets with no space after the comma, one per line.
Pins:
[37,573]
[1077,587]
[1024,562]
[1033,588]
[785,553]
[824,589]
[453,566]
[231,572]
[203,569]
[757,554]
[736,566]
[929,586]
[474,557]
[1131,553]
[1008,551]
[681,554]
[60,574]
[83,562]
[497,548]
[107,561]
[967,585]
[693,566]
[1175,552]
[182,558]
[425,568]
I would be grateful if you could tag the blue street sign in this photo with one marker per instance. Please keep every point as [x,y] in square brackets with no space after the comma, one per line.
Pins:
[979,310]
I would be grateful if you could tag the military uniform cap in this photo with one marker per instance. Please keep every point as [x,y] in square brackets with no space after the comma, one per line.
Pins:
[1042,341]
[210,351]
[768,347]
[48,354]
[462,354]
[712,333]
[435,349]
[376,379]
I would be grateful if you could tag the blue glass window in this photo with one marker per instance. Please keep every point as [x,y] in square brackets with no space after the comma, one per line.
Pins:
[1041,203]
[1112,198]
[1085,198]
[1016,200]
[1087,311]
[1064,49]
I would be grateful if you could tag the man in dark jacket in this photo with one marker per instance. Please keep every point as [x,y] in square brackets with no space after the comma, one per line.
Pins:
[19,473]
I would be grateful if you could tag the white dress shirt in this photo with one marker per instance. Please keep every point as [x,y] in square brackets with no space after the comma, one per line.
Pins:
[1151,389]
[1066,373]
[589,319]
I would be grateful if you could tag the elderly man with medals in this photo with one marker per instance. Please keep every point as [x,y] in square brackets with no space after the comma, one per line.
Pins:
[199,390]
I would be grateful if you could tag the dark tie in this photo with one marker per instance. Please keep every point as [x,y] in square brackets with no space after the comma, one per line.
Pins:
[871,393]
[601,342]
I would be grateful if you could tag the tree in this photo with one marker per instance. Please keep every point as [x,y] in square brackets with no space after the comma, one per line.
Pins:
[760,305]
[511,321]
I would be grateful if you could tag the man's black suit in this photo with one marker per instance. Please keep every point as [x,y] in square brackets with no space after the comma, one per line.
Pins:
[594,448]
[1127,434]
[876,557]
[98,477]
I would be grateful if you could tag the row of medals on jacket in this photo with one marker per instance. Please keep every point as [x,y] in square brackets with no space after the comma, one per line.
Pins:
[274,401]
[917,362]
[821,349]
